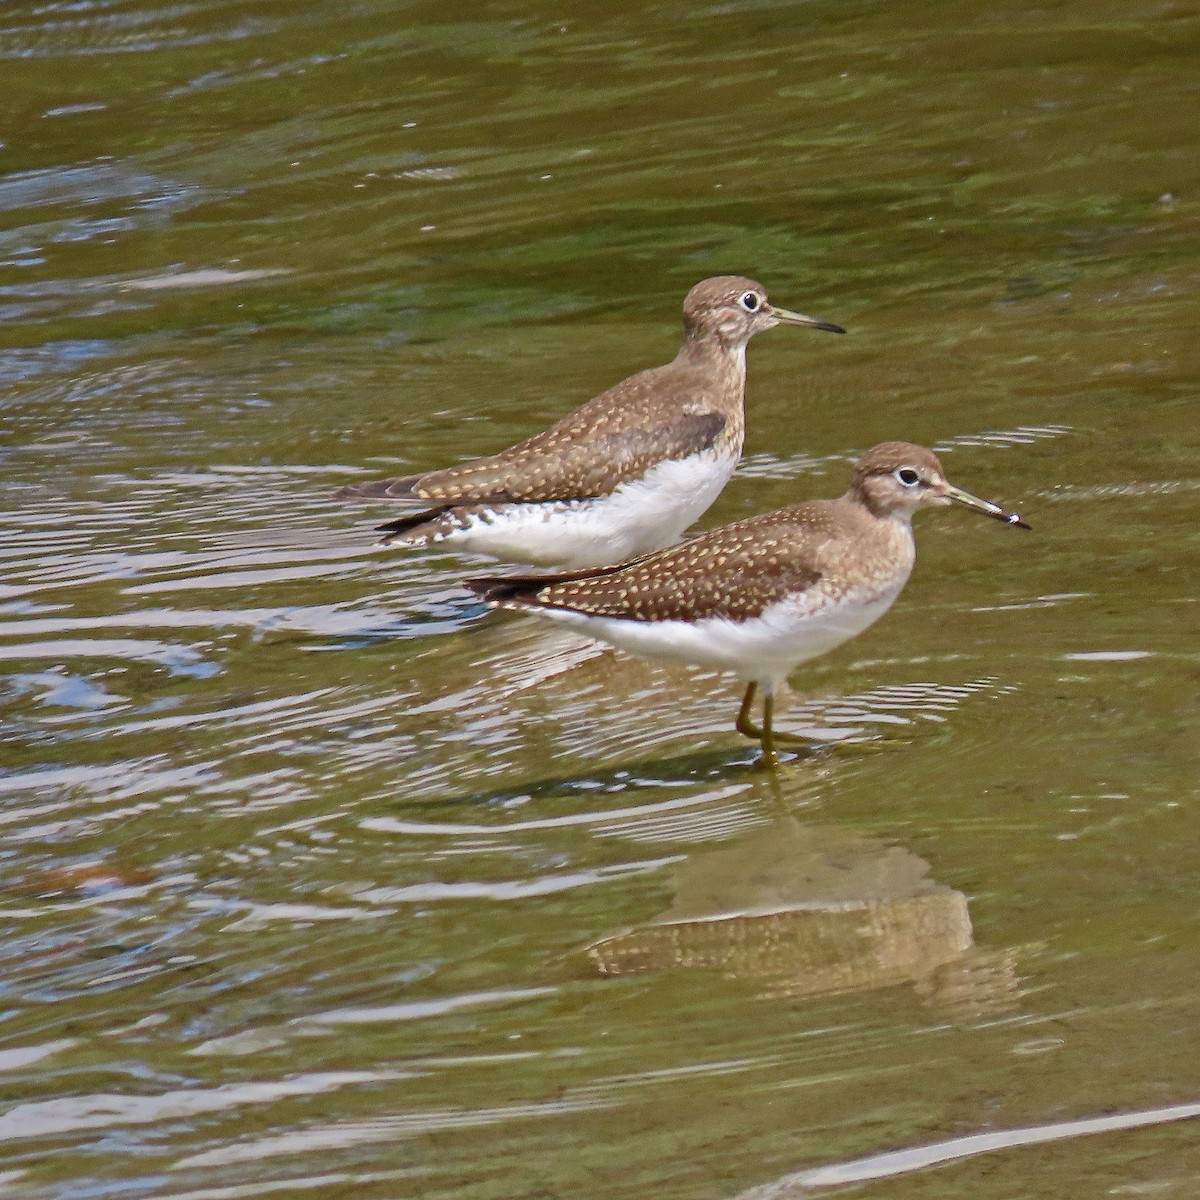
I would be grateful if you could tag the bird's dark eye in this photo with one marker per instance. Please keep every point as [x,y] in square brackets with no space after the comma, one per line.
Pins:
[908,477]
[750,301]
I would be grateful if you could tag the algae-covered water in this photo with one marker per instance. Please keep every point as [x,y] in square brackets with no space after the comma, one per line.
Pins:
[319,881]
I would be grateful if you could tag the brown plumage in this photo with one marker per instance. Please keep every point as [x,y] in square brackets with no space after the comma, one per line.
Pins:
[595,468]
[692,406]
[735,572]
[739,570]
[612,439]
[762,595]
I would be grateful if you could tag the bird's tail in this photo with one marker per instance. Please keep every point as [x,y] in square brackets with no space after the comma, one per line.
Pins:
[419,528]
[521,591]
[400,488]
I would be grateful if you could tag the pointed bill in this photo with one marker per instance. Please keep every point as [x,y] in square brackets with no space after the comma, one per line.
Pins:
[983,506]
[787,317]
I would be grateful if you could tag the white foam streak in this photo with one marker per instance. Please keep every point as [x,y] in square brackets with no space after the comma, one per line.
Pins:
[899,1162]
[101,1110]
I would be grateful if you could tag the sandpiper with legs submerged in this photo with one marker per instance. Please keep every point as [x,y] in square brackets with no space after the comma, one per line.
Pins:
[761,596]
[625,474]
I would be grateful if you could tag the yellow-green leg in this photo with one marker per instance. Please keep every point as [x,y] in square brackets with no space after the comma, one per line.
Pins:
[745,726]
[769,757]
[765,735]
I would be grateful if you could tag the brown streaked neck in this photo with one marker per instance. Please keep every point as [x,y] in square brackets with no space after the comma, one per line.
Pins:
[708,340]
[704,350]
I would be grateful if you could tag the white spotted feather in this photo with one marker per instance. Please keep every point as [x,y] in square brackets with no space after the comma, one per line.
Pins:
[640,516]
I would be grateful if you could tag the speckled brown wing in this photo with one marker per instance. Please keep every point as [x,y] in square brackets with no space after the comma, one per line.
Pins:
[663,413]
[734,572]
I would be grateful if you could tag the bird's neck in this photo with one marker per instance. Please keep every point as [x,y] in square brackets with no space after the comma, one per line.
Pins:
[882,538]
[716,358]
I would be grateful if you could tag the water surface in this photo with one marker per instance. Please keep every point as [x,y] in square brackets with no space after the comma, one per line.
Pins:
[317,880]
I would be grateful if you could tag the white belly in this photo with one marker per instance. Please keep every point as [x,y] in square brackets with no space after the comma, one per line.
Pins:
[642,515]
[762,650]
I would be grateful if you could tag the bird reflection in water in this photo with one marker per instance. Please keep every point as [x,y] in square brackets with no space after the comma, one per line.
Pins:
[810,910]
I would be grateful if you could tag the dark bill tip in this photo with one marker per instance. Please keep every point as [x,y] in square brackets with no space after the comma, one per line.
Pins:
[785,316]
[984,507]
[1007,518]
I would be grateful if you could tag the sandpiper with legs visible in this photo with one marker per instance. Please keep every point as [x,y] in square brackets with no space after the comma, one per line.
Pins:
[625,474]
[761,596]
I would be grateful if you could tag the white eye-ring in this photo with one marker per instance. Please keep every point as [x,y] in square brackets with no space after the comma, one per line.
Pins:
[908,477]
[750,301]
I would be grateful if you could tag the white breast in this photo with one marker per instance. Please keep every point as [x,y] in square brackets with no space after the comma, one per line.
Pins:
[763,649]
[639,516]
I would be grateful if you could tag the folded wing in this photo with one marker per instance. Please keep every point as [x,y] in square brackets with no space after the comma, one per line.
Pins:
[732,572]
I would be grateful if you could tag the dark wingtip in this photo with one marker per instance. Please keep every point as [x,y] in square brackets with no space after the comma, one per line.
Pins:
[378,489]
[829,327]
[409,523]
[523,590]
[492,588]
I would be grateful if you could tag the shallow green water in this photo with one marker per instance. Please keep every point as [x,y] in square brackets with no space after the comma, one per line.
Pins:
[319,881]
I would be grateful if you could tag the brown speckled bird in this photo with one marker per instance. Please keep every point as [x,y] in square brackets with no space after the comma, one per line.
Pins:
[761,596]
[625,474]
